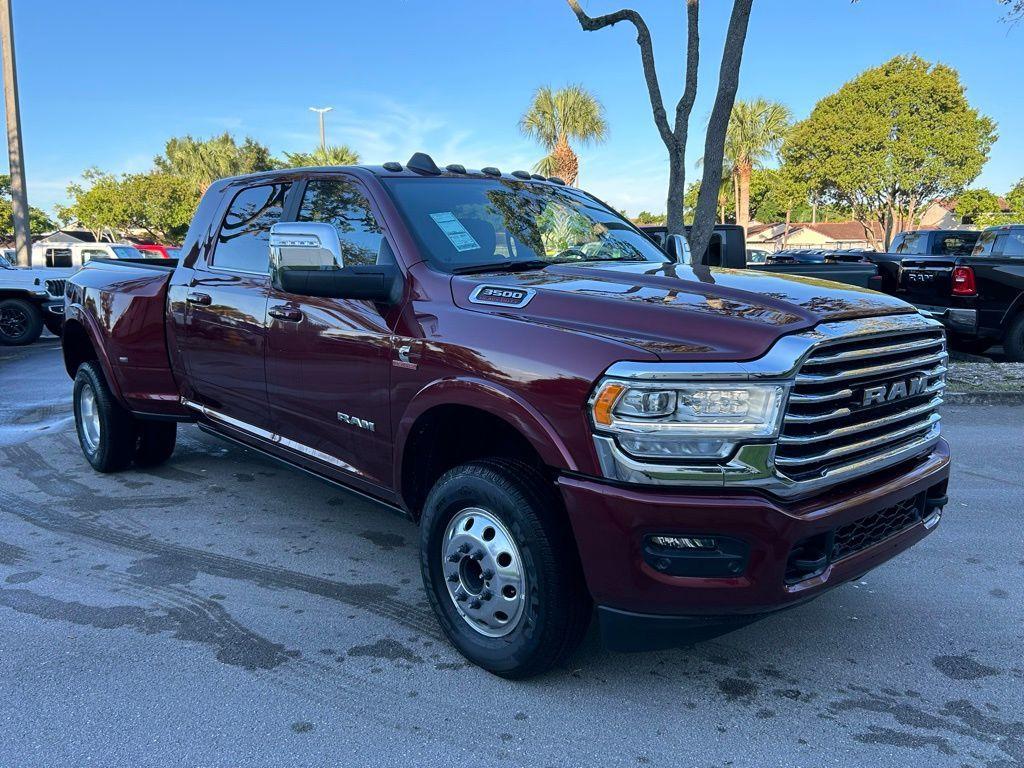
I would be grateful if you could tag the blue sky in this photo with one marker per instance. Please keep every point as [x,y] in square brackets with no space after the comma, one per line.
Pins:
[106,83]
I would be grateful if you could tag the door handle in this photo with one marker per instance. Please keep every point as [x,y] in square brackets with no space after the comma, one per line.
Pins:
[195,297]
[285,313]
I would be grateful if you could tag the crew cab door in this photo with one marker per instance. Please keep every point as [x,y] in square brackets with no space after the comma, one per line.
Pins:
[226,312]
[328,360]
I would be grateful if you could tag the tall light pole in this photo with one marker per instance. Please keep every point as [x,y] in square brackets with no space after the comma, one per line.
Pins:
[321,111]
[19,198]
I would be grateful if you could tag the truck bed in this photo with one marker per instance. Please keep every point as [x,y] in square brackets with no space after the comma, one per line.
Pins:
[121,304]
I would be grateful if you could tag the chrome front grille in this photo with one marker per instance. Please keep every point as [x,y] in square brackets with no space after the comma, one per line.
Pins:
[863,401]
[55,287]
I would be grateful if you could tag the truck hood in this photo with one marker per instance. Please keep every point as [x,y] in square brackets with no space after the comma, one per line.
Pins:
[674,311]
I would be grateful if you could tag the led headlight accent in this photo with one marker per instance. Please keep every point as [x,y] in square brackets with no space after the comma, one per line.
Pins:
[688,420]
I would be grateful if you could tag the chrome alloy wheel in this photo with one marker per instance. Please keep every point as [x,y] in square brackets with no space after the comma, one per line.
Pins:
[484,572]
[90,416]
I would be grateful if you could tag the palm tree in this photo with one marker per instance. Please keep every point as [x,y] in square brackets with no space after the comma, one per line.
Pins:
[203,161]
[555,117]
[330,155]
[756,130]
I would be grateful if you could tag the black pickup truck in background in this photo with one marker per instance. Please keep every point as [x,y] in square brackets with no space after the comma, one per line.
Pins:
[936,242]
[979,296]
[728,248]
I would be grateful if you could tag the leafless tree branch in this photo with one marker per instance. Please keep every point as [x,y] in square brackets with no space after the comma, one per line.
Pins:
[643,39]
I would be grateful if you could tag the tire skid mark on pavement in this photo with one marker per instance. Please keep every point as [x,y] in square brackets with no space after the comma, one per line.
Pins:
[34,469]
[379,599]
[12,554]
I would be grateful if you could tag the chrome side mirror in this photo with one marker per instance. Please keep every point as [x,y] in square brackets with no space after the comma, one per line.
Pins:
[304,245]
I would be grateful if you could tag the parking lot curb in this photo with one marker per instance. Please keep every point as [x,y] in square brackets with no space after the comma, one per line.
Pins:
[984,398]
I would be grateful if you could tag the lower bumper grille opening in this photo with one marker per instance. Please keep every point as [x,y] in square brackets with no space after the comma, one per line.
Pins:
[811,556]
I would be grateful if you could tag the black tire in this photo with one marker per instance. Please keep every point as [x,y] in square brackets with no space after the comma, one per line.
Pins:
[54,325]
[156,442]
[114,444]
[556,607]
[1013,342]
[21,322]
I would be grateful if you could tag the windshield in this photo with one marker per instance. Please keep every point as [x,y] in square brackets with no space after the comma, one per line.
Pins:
[4,263]
[476,224]
[173,253]
[126,252]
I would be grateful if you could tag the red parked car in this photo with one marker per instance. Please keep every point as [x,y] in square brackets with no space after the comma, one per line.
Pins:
[155,250]
[572,419]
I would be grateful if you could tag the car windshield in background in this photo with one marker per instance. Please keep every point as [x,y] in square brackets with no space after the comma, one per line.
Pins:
[174,253]
[471,225]
[4,263]
[127,252]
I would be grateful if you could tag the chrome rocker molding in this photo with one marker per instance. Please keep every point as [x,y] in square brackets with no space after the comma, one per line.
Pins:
[753,464]
[268,436]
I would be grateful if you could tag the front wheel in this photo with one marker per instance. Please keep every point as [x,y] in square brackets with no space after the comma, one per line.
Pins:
[21,322]
[501,570]
[106,431]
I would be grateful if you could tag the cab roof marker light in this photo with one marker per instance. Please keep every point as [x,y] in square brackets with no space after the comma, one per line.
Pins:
[455,168]
[556,180]
[521,174]
[392,166]
[490,170]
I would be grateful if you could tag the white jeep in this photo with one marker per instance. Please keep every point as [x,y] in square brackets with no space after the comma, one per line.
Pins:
[30,299]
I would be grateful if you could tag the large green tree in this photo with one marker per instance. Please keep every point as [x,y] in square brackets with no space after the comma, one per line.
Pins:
[890,141]
[330,155]
[556,117]
[981,207]
[158,204]
[755,133]
[203,161]
[38,221]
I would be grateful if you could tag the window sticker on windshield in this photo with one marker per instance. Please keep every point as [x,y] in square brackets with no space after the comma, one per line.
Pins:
[454,231]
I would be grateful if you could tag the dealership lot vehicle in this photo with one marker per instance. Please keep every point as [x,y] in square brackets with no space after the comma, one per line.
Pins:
[293,611]
[158,251]
[979,296]
[568,415]
[30,300]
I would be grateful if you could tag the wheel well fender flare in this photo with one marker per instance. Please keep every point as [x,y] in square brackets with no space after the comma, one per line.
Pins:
[493,399]
[76,318]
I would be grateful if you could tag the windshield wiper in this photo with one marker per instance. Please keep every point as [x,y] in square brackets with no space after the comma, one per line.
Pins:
[524,265]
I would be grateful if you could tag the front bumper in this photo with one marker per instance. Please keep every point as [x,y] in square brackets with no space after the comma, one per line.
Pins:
[641,607]
[962,322]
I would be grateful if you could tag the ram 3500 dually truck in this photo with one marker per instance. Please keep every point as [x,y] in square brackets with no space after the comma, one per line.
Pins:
[571,419]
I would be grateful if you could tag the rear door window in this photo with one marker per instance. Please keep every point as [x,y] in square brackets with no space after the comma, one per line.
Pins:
[1014,243]
[243,244]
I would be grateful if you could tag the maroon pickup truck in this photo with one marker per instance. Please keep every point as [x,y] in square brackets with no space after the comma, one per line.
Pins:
[572,420]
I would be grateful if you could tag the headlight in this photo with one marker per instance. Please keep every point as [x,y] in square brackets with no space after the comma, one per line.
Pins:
[695,420]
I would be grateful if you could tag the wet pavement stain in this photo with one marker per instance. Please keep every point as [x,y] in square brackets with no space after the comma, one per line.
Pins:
[206,623]
[11,554]
[379,599]
[162,571]
[385,541]
[736,689]
[388,649]
[962,668]
[24,577]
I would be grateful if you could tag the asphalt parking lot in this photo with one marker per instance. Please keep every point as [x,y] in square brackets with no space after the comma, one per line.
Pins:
[226,610]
